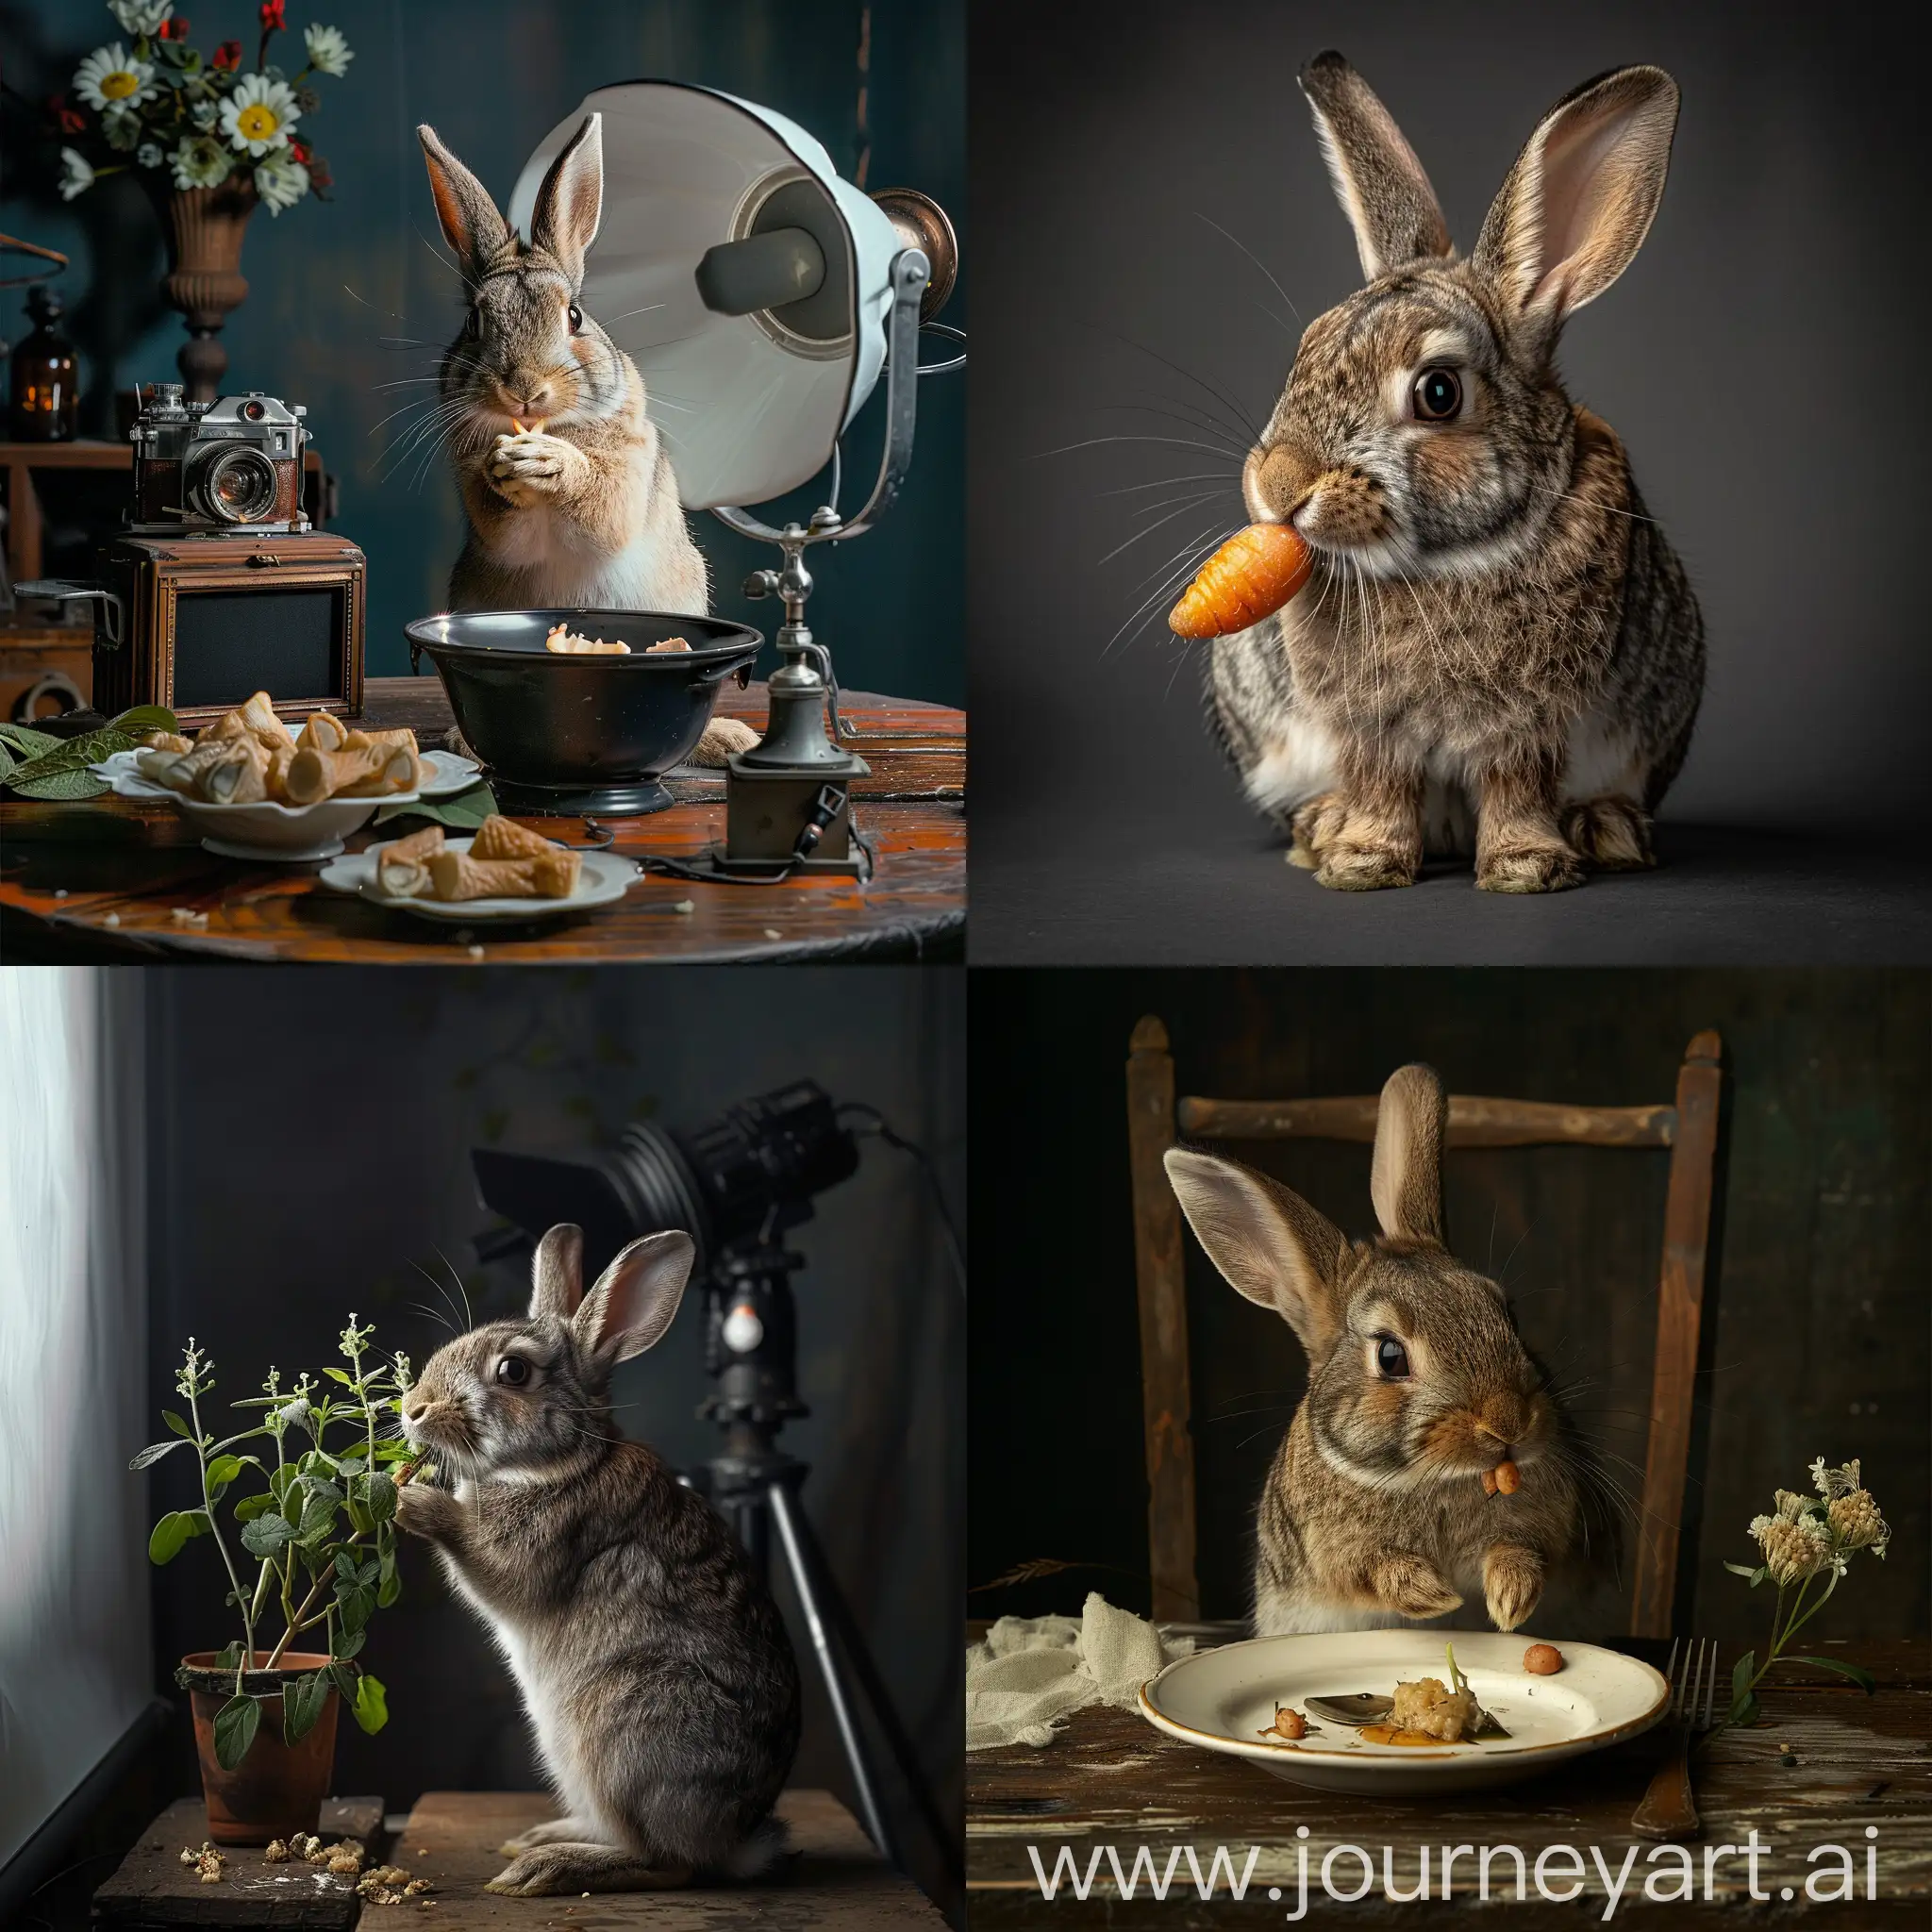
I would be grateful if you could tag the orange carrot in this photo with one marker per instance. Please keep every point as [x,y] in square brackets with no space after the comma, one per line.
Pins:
[1251,576]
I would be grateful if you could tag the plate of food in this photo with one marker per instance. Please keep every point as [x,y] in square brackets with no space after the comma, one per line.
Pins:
[1404,1713]
[255,790]
[506,871]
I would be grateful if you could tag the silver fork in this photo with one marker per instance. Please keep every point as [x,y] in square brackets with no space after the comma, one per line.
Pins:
[1669,1811]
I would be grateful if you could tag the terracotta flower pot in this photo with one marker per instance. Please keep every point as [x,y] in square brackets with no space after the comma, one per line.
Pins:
[277,1788]
[205,229]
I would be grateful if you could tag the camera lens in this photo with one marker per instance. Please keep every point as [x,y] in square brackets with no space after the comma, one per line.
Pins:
[238,486]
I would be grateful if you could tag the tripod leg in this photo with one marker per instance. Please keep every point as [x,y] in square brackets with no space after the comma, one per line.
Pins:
[790,1521]
[833,1607]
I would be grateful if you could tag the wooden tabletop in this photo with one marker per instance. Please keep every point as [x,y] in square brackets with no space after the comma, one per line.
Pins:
[835,1880]
[101,879]
[1112,1780]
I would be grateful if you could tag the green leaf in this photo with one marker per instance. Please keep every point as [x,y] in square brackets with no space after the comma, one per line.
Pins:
[347,1646]
[235,1727]
[25,741]
[1755,1576]
[56,772]
[264,1533]
[302,1704]
[353,1604]
[249,1508]
[318,1519]
[175,1422]
[340,1375]
[371,1703]
[280,1481]
[346,1566]
[463,813]
[172,1531]
[1747,1709]
[346,1680]
[146,718]
[1744,1700]
[382,1497]
[1863,1679]
[388,1590]
[230,1654]
[153,1453]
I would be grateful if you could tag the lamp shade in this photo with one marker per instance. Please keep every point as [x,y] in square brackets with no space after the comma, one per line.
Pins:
[712,202]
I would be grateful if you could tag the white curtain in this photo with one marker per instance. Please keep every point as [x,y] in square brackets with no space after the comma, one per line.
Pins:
[74,1668]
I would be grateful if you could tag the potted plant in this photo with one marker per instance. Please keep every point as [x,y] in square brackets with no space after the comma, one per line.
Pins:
[313,1550]
[210,143]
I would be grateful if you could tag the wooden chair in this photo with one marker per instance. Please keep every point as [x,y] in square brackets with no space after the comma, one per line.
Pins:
[1687,1130]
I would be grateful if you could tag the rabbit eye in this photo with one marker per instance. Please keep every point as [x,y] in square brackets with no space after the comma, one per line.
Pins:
[576,318]
[513,1370]
[1392,1359]
[1437,396]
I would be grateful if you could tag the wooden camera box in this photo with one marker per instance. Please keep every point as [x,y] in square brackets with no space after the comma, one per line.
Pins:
[198,624]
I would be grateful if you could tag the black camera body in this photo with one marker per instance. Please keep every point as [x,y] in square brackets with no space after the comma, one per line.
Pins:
[230,468]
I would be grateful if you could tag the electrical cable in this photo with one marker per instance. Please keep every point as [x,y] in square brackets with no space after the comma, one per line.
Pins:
[871,1121]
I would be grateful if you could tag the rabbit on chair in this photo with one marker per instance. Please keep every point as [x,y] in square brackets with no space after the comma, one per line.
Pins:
[566,480]
[1376,1511]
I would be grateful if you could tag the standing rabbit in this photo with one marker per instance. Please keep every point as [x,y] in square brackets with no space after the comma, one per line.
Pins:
[1375,1511]
[651,1660]
[565,479]
[1497,649]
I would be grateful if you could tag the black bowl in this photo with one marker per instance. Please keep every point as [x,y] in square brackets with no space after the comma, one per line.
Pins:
[566,735]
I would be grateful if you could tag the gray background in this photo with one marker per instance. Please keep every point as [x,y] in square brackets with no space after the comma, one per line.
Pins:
[1762,360]
[267,1232]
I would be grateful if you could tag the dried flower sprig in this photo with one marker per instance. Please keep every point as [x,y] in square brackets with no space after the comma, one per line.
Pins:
[1804,1539]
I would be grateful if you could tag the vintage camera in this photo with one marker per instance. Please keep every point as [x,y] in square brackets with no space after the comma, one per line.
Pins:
[232,467]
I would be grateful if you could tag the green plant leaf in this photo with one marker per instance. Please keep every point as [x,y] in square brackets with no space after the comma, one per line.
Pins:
[1744,1699]
[302,1704]
[153,1453]
[354,1606]
[249,1508]
[175,1422]
[1862,1678]
[146,718]
[346,1566]
[342,1375]
[463,813]
[1754,1576]
[26,741]
[172,1531]
[279,1483]
[230,1654]
[58,772]
[266,1533]
[387,1590]
[371,1703]
[382,1497]
[348,1646]
[235,1727]
[347,1678]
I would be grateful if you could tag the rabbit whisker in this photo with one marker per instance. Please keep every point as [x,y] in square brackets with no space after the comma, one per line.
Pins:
[1095,442]
[1187,504]
[1220,396]
[1260,265]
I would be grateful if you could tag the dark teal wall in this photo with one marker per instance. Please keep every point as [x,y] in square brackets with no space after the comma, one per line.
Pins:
[494,77]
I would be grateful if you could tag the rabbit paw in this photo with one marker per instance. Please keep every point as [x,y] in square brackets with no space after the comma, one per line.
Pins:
[1348,868]
[552,1831]
[1528,869]
[1611,833]
[1314,827]
[1512,1583]
[528,467]
[548,1870]
[1414,1587]
[421,1510]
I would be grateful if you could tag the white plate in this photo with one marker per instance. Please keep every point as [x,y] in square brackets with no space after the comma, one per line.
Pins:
[266,832]
[602,880]
[1220,1699]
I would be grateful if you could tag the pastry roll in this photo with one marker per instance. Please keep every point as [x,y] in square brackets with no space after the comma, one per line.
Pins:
[356,772]
[457,876]
[500,838]
[323,731]
[402,867]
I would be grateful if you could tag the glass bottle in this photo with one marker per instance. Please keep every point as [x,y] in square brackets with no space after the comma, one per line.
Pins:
[47,393]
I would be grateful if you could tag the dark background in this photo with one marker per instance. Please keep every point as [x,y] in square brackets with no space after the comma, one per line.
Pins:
[494,77]
[1819,1346]
[1756,360]
[266,1233]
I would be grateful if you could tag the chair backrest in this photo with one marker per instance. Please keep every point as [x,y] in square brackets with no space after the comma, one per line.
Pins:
[1687,1128]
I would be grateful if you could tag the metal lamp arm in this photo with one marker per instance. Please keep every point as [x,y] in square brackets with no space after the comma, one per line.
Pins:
[67,592]
[907,278]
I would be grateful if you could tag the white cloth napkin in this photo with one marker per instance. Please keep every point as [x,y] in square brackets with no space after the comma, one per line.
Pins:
[1027,1674]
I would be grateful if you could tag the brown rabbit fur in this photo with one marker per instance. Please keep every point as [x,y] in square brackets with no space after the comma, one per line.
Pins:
[1375,1511]
[1496,649]
[581,510]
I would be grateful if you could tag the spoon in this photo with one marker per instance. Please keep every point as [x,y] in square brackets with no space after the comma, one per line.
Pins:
[1355,1707]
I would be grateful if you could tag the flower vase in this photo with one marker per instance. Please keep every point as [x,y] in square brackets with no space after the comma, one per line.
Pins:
[205,227]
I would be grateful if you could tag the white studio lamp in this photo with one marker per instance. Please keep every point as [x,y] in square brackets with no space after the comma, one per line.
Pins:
[762,297]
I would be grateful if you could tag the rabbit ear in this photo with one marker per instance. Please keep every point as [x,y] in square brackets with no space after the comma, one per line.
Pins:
[1380,184]
[1406,1181]
[570,204]
[556,1273]
[1579,201]
[470,224]
[1269,1243]
[636,1296]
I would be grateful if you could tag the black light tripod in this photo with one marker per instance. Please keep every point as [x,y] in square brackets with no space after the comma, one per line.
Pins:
[751,1351]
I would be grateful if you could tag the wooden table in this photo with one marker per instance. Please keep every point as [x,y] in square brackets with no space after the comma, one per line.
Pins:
[1112,1780]
[99,880]
[835,1878]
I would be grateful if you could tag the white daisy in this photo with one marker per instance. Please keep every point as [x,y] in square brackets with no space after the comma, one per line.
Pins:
[140,16]
[76,177]
[150,154]
[205,114]
[281,181]
[329,52]
[110,79]
[258,115]
[200,161]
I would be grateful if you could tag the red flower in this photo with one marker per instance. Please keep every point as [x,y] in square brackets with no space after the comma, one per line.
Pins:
[70,120]
[318,176]
[174,28]
[300,150]
[228,55]
[274,14]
